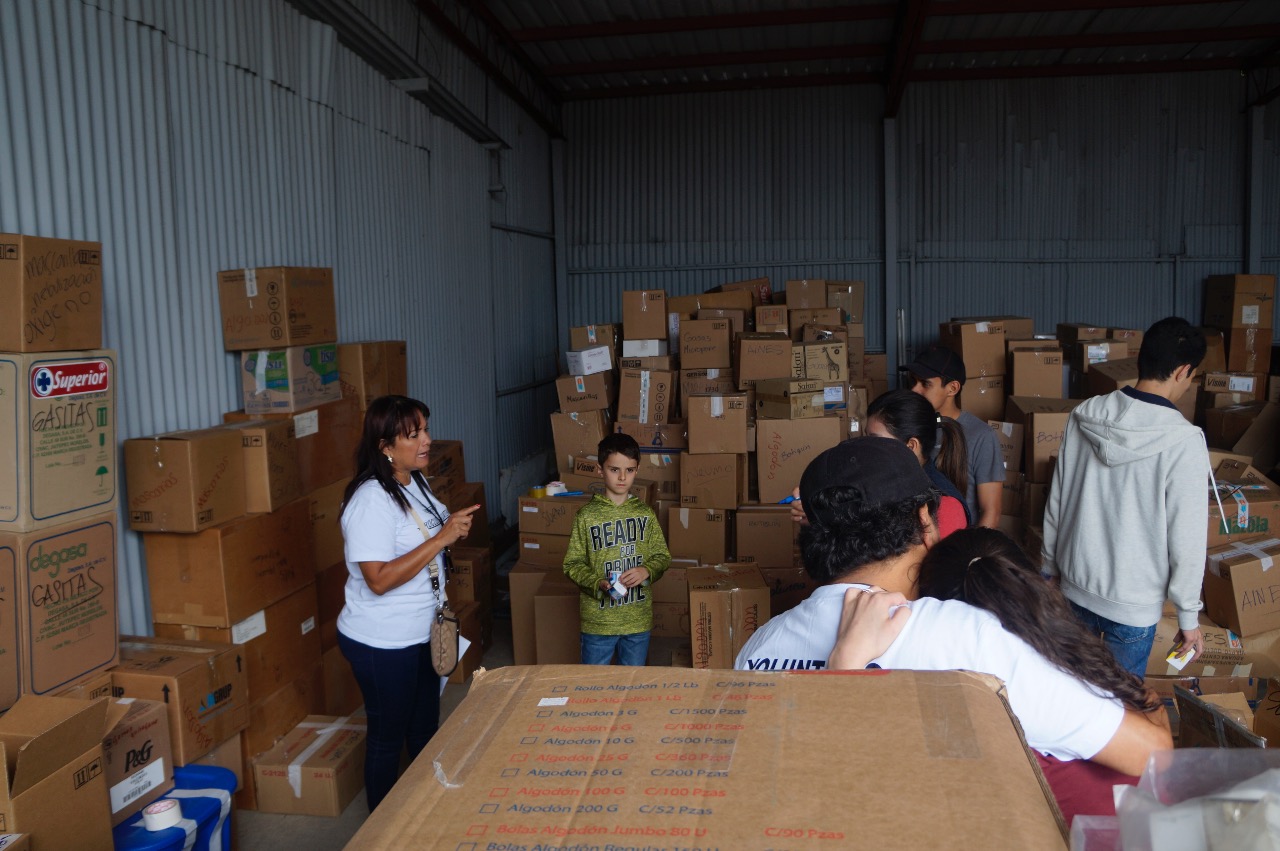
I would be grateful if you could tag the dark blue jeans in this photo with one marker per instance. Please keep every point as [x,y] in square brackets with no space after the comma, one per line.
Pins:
[1131,645]
[632,649]
[402,699]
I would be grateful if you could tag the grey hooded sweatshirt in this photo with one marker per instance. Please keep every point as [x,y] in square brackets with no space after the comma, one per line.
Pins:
[1126,522]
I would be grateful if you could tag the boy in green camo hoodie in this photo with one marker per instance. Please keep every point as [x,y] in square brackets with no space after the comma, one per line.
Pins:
[616,552]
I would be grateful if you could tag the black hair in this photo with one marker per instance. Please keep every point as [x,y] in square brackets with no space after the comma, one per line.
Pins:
[388,418]
[987,570]
[858,535]
[907,414]
[617,443]
[1170,343]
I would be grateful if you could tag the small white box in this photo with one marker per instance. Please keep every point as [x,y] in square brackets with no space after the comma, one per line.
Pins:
[589,361]
[644,348]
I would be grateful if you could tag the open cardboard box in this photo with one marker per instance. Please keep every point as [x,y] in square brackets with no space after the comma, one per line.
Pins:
[573,756]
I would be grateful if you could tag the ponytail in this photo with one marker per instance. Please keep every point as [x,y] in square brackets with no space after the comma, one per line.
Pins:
[953,454]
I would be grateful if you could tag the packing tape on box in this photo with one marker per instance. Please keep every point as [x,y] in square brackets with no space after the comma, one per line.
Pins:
[644,396]
[223,797]
[162,815]
[323,733]
[1258,551]
[591,333]
[717,406]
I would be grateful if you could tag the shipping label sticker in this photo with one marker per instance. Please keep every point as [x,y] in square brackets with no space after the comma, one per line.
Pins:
[1097,353]
[984,327]
[553,701]
[1240,384]
[250,283]
[644,396]
[580,384]
[591,333]
[305,425]
[833,394]
[1249,314]
[308,625]
[250,628]
[136,785]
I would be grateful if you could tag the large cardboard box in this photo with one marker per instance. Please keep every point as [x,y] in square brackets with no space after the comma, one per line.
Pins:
[53,784]
[984,397]
[471,625]
[362,371]
[1248,349]
[806,293]
[52,292]
[699,533]
[727,604]
[1251,502]
[277,306]
[738,319]
[545,550]
[760,289]
[1251,386]
[577,434]
[1224,653]
[138,757]
[270,452]
[1074,332]
[706,344]
[667,436]
[58,457]
[559,625]
[1083,354]
[704,381]
[326,435]
[587,336]
[549,515]
[471,577]
[585,392]
[288,380]
[762,356]
[850,297]
[798,317]
[203,685]
[341,691]
[712,481]
[788,587]
[275,642]
[1110,375]
[644,315]
[1010,438]
[62,583]
[331,596]
[271,719]
[325,506]
[223,575]
[525,580]
[790,398]
[185,481]
[765,535]
[646,396]
[396,363]
[772,319]
[979,344]
[1240,589]
[670,620]
[1240,301]
[821,361]
[317,769]
[1036,373]
[718,423]
[663,469]
[785,447]
[227,755]
[512,725]
[1044,423]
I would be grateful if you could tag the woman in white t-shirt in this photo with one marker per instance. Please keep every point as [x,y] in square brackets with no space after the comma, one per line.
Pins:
[395,534]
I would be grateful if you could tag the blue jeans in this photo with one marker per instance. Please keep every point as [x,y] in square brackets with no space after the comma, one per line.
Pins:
[1131,645]
[402,699]
[632,649]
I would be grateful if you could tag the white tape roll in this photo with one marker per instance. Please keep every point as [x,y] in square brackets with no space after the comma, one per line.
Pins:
[162,815]
[554,488]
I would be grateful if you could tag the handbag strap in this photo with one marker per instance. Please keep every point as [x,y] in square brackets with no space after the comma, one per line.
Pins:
[432,570]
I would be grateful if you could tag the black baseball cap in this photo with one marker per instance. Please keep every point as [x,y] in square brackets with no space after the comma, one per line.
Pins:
[880,469]
[938,362]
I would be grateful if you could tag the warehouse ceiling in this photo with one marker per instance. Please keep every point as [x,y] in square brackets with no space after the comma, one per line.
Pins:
[549,52]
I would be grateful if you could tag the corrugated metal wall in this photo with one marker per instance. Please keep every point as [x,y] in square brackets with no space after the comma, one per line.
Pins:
[190,137]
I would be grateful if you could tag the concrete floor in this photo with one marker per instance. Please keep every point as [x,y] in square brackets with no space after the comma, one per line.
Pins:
[272,832]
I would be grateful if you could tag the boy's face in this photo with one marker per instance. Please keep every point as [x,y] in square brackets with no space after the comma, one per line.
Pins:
[933,389]
[619,473]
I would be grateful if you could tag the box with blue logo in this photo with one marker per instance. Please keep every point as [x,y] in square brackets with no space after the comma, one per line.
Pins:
[286,380]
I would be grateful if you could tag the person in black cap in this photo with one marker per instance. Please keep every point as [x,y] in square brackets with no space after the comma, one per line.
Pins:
[938,375]
[870,510]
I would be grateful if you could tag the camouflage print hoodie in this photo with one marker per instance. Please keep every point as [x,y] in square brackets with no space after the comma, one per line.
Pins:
[607,540]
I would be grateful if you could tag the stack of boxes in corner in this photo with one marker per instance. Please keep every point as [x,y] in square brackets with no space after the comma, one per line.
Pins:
[730,393]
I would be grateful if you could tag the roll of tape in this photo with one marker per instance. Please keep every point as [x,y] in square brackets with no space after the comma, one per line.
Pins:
[162,815]
[554,488]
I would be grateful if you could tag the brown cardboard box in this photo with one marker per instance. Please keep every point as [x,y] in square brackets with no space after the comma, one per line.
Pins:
[331,596]
[727,604]
[559,625]
[1083,354]
[806,293]
[984,397]
[765,535]
[277,306]
[772,319]
[642,489]
[471,627]
[646,350]
[1224,653]
[850,297]
[1074,332]
[687,306]
[58,427]
[1240,591]
[671,436]
[275,642]
[644,315]
[52,292]
[1044,423]
[545,550]
[821,361]
[762,356]
[549,515]
[1256,494]
[395,361]
[525,580]
[289,380]
[797,318]
[271,719]
[1035,495]
[185,481]
[270,452]
[670,620]
[673,585]
[1215,355]
[317,769]
[203,685]
[1252,387]
[1255,688]
[326,436]
[471,579]
[788,587]
[790,398]
[62,581]
[718,423]
[466,495]
[362,371]
[1248,349]
[1259,439]
[52,785]
[1010,438]
[1109,376]
[703,381]
[341,691]
[900,724]
[585,392]
[325,506]
[1036,373]
[785,447]
[227,755]
[979,344]
[138,757]
[1239,301]
[699,533]
[706,344]
[875,371]
[646,396]
[1012,495]
[663,469]
[577,434]
[223,575]
[712,481]
[587,336]
[1015,327]
[1132,336]
[760,288]
[1223,427]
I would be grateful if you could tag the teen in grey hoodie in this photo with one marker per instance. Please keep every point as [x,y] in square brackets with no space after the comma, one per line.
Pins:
[1125,526]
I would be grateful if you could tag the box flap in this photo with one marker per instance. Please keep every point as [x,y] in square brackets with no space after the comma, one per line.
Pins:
[56,730]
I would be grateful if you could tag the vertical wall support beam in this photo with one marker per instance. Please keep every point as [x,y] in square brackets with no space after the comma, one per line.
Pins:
[1253,191]
[559,236]
[892,296]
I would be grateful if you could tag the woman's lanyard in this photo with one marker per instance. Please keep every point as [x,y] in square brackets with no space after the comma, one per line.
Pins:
[432,570]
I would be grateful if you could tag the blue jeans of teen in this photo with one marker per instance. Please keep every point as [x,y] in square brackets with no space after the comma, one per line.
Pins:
[632,649]
[402,699]
[1131,645]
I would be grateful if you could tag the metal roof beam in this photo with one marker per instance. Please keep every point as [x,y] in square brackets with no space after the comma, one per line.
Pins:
[733,85]
[1090,40]
[1011,7]
[691,23]
[705,60]
[906,35]
[1082,69]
